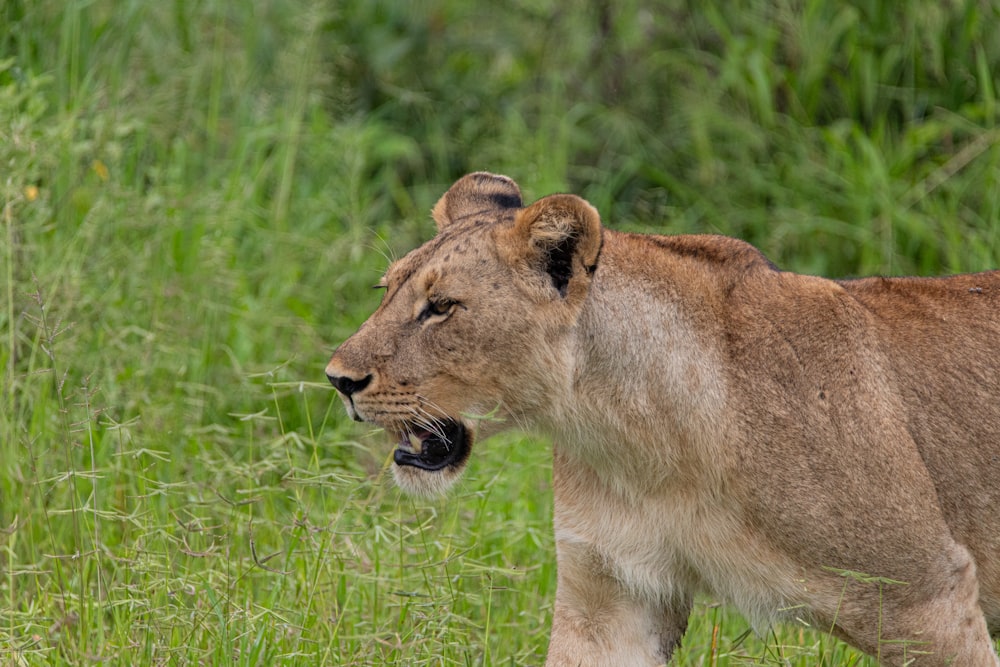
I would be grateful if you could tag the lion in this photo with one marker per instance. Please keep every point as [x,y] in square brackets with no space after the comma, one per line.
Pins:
[801,448]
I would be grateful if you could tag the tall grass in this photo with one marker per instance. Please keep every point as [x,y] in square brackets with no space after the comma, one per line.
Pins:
[196,198]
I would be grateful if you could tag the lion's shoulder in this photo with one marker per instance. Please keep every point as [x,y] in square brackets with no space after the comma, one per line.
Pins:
[719,251]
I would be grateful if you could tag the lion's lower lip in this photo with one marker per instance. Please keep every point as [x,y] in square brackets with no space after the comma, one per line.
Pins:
[448,447]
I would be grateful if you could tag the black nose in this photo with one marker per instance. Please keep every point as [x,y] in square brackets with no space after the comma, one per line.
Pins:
[348,386]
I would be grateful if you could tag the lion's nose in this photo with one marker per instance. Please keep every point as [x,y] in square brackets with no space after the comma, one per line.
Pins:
[348,385]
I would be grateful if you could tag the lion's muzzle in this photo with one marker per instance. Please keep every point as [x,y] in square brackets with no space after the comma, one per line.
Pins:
[445,444]
[348,386]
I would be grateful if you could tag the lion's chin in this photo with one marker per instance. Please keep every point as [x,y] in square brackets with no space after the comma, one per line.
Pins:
[434,465]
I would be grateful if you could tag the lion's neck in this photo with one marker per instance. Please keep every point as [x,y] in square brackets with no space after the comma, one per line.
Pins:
[647,390]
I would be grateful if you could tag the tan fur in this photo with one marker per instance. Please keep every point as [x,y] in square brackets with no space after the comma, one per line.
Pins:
[799,447]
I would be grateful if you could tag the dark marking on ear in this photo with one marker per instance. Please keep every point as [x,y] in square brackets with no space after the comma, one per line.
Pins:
[506,200]
[560,236]
[559,264]
[477,200]
[597,258]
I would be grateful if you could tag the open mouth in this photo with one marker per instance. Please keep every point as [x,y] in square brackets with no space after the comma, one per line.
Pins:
[448,444]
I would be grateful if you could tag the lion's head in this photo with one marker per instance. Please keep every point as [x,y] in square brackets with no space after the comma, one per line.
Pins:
[473,326]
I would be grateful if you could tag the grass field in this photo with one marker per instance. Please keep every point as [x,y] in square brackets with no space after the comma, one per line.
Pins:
[197,196]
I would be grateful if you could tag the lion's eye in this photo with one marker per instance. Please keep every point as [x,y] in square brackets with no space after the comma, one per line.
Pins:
[437,308]
[440,307]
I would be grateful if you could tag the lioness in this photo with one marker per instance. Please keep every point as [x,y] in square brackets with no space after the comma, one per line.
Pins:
[799,447]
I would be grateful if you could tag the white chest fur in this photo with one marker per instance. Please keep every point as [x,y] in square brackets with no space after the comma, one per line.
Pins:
[663,547]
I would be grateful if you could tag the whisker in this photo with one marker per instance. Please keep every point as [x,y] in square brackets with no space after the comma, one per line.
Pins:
[429,421]
[424,401]
[431,424]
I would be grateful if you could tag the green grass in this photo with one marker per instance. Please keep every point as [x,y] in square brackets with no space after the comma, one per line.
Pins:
[195,198]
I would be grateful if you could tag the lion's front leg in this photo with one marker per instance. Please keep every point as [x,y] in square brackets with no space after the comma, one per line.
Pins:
[597,622]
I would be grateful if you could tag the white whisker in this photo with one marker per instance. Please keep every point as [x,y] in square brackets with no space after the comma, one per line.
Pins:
[433,423]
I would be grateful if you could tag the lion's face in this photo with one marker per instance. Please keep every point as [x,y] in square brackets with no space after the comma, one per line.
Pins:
[472,326]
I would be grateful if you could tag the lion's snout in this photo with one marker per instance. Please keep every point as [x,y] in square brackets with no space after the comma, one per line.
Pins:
[348,384]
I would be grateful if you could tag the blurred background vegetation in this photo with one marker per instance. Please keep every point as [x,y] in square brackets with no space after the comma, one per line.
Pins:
[197,196]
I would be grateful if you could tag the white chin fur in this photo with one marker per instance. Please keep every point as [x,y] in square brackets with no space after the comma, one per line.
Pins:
[417,482]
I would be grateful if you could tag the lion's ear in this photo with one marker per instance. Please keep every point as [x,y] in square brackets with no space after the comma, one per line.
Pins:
[474,194]
[561,235]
